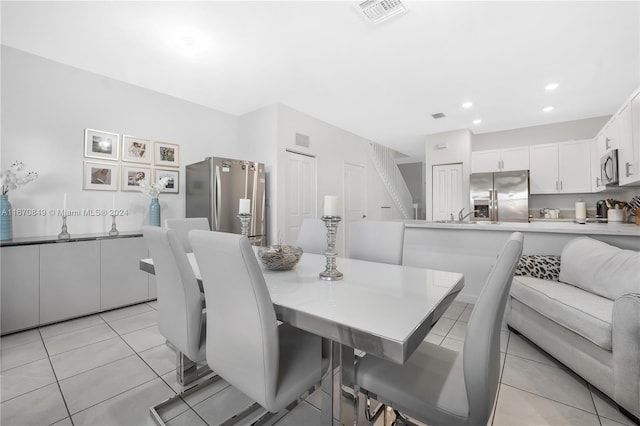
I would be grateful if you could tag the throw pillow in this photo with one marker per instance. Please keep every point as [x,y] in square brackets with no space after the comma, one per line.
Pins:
[545,267]
[600,268]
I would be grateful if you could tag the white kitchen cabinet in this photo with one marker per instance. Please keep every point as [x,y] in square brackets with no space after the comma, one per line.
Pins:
[500,160]
[121,280]
[628,118]
[20,287]
[560,167]
[608,136]
[596,179]
[69,280]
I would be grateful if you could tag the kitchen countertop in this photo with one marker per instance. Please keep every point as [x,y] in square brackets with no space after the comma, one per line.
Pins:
[25,241]
[557,226]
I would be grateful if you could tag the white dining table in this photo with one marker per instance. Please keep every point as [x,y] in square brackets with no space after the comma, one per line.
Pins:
[384,310]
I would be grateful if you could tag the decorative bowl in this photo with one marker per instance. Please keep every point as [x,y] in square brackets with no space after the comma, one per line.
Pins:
[279,257]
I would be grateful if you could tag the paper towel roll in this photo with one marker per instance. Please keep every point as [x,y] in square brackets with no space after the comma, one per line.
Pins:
[581,210]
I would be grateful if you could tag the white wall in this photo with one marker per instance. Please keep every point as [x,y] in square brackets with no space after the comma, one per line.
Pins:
[258,134]
[534,135]
[45,108]
[332,147]
[458,150]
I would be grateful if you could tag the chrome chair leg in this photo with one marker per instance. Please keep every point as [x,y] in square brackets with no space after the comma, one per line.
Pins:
[188,371]
[154,411]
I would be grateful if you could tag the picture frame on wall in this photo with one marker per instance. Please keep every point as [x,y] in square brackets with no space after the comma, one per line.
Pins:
[132,175]
[136,150]
[100,144]
[166,154]
[100,176]
[173,186]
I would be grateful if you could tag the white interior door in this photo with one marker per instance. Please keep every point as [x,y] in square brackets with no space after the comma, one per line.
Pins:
[447,191]
[355,197]
[300,193]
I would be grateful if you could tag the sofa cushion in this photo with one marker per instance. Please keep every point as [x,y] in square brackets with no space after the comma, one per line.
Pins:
[582,312]
[600,268]
[545,267]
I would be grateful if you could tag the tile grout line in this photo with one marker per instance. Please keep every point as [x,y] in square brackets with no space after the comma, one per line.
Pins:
[594,403]
[127,390]
[495,407]
[64,400]
[154,372]
[552,400]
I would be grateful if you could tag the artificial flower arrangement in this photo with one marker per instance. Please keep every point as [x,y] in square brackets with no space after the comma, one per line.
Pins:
[153,189]
[14,177]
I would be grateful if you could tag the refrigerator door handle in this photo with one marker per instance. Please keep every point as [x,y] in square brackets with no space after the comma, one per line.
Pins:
[491,206]
[495,205]
[217,198]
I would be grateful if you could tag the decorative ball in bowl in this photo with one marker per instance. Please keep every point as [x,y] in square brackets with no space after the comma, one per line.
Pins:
[279,257]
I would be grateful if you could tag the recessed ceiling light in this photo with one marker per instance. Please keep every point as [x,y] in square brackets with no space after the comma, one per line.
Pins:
[477,121]
[551,86]
[547,108]
[467,105]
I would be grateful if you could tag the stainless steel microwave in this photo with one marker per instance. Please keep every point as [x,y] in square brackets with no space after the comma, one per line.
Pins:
[609,168]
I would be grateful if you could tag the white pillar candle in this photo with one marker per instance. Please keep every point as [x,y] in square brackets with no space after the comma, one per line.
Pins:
[113,203]
[64,202]
[581,210]
[331,206]
[244,206]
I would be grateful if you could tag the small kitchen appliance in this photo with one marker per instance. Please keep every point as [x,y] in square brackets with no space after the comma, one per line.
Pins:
[609,168]
[601,209]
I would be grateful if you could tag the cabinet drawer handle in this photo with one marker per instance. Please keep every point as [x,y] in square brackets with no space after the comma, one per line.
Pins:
[607,146]
[627,168]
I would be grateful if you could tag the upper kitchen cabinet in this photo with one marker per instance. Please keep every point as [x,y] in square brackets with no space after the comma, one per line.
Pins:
[560,167]
[500,160]
[596,179]
[607,138]
[628,118]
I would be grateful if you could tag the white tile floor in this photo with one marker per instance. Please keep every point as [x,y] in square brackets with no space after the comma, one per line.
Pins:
[108,369]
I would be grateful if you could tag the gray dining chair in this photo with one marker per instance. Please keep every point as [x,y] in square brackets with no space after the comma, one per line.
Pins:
[182,226]
[312,236]
[439,386]
[181,318]
[376,241]
[273,365]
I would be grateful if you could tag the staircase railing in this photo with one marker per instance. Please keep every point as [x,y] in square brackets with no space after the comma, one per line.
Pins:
[384,160]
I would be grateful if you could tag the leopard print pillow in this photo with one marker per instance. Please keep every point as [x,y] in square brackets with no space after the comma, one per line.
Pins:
[539,266]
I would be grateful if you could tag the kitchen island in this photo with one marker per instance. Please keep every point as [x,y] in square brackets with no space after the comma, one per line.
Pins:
[471,248]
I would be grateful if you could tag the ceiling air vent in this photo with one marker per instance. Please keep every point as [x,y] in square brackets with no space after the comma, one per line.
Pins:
[379,10]
[302,140]
[438,115]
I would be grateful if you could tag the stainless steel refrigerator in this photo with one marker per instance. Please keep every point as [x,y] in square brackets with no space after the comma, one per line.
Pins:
[500,196]
[215,186]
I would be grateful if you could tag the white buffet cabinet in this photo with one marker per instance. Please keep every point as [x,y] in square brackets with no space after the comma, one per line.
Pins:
[45,280]
[471,249]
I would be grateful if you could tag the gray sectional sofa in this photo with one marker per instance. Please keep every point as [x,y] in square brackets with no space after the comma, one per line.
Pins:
[584,310]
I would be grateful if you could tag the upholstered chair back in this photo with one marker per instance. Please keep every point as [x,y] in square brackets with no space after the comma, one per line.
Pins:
[481,360]
[182,226]
[242,331]
[180,316]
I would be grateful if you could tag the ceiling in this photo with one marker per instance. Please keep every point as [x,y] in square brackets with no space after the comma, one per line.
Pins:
[382,82]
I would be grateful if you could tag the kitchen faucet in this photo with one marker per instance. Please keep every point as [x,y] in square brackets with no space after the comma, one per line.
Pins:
[461,217]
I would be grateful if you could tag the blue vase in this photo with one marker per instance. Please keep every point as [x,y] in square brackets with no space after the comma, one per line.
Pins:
[154,212]
[6,224]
